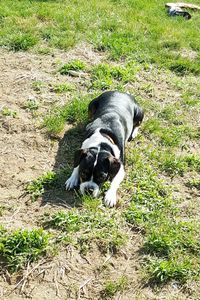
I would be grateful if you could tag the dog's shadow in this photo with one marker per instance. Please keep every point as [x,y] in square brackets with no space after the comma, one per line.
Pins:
[54,191]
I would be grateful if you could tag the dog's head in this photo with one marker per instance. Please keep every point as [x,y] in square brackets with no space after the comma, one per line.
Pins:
[95,167]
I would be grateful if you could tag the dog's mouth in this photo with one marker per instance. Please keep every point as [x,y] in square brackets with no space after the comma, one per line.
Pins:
[89,187]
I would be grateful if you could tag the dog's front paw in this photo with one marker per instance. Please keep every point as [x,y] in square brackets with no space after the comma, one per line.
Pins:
[110,198]
[71,183]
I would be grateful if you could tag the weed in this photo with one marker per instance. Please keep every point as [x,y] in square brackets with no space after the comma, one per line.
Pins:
[173,165]
[163,270]
[24,26]
[178,165]
[49,180]
[194,183]
[193,162]
[8,112]
[182,66]
[21,247]
[103,75]
[167,135]
[62,88]
[190,101]
[22,42]
[113,287]
[31,104]
[37,187]
[74,65]
[168,236]
[37,85]
[88,227]
[75,111]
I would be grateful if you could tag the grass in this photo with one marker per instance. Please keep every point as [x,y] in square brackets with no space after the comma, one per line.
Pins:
[147,53]
[7,112]
[73,112]
[21,247]
[103,76]
[194,183]
[126,34]
[181,270]
[74,65]
[31,105]
[171,246]
[37,85]
[48,180]
[62,88]
[178,165]
[98,225]
[22,41]
[114,287]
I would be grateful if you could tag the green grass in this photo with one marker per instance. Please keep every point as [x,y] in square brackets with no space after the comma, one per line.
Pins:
[7,112]
[20,247]
[31,105]
[137,30]
[179,269]
[114,287]
[166,237]
[62,88]
[194,183]
[74,65]
[103,76]
[38,85]
[90,225]
[73,112]
[22,41]
[178,165]
[171,245]
[139,40]
[49,180]
[167,133]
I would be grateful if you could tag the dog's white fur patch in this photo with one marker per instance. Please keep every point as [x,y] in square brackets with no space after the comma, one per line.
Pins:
[73,180]
[96,139]
[110,198]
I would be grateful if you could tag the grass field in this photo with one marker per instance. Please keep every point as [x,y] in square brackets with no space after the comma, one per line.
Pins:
[56,57]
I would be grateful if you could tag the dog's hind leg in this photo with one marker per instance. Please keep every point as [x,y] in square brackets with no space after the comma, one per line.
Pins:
[137,120]
[92,107]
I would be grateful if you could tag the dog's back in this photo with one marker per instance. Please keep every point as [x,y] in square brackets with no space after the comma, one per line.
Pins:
[116,113]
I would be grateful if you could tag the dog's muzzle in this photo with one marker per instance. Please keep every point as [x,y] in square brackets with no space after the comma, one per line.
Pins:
[89,187]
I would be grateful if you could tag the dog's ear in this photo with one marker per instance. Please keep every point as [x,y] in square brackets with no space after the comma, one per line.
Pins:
[79,154]
[114,166]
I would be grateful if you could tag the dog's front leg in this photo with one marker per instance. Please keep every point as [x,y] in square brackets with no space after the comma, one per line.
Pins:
[73,180]
[111,195]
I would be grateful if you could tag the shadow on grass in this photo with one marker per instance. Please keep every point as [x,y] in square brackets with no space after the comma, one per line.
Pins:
[54,190]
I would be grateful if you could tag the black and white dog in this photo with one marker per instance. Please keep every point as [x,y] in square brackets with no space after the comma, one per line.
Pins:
[115,118]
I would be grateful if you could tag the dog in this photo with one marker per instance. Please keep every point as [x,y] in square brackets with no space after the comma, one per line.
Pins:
[115,118]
